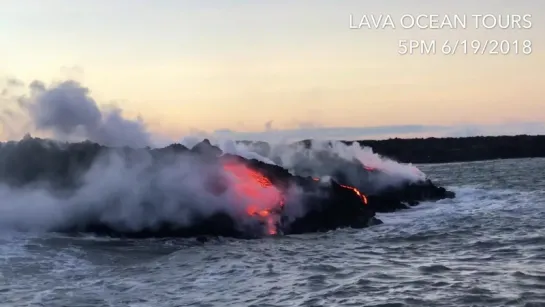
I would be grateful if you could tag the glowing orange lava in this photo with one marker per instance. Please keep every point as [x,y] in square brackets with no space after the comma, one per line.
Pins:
[361,195]
[264,198]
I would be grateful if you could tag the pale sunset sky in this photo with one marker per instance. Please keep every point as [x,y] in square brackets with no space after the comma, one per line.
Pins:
[285,66]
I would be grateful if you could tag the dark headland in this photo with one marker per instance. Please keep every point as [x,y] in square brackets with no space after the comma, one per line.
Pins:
[459,149]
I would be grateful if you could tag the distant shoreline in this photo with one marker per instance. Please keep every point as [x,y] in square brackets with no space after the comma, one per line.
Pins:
[447,150]
[457,149]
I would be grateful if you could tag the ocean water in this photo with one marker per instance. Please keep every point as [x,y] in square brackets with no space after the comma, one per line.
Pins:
[484,248]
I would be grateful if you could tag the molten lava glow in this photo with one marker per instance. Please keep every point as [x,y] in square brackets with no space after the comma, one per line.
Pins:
[264,198]
[369,168]
[361,195]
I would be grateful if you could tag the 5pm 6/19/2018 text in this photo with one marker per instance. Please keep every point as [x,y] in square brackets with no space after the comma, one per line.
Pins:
[466,47]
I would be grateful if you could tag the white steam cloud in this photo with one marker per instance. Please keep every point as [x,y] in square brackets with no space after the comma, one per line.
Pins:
[133,193]
[136,192]
[323,158]
[69,112]
[292,156]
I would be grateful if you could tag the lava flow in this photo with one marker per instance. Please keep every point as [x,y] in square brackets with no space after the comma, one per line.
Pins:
[361,195]
[263,197]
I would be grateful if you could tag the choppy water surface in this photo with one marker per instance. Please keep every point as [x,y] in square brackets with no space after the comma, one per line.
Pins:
[484,248]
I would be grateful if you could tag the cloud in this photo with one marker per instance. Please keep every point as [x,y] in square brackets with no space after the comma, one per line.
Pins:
[68,112]
[64,108]
[10,84]
[72,72]
[13,82]
[268,125]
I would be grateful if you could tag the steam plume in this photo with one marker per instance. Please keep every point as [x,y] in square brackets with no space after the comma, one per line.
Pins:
[69,112]
[133,191]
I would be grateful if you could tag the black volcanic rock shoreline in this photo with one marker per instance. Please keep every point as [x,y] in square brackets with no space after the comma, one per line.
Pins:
[462,149]
[61,167]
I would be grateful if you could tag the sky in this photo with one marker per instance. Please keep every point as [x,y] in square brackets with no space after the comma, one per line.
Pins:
[305,69]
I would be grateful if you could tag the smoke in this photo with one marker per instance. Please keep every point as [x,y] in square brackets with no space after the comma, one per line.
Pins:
[69,112]
[245,151]
[291,156]
[357,165]
[126,191]
[135,191]
[353,164]
[131,192]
